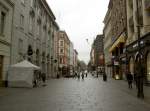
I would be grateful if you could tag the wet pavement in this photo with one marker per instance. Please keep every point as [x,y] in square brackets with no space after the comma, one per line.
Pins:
[64,94]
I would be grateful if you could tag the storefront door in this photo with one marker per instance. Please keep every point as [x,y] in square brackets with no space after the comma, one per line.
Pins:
[148,67]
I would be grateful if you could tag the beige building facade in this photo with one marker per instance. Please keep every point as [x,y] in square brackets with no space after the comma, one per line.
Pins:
[107,41]
[6,22]
[138,45]
[64,53]
[118,38]
[33,34]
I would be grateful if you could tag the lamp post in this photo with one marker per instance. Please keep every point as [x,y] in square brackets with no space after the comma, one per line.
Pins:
[140,93]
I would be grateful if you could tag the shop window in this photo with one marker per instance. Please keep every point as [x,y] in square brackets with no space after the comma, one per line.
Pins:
[148,67]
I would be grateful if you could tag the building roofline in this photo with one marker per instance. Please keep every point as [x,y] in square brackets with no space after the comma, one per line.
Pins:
[47,7]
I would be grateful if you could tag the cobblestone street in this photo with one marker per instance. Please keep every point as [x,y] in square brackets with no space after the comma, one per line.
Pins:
[92,94]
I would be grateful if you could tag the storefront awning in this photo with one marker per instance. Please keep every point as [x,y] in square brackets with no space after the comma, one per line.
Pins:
[121,39]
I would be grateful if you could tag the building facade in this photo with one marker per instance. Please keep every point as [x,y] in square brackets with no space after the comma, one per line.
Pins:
[75,61]
[71,58]
[6,31]
[99,51]
[118,38]
[33,34]
[64,53]
[55,57]
[92,59]
[107,40]
[138,42]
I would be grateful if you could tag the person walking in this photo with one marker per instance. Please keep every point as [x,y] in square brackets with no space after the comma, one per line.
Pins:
[82,76]
[104,77]
[78,76]
[130,80]
[86,74]
[43,77]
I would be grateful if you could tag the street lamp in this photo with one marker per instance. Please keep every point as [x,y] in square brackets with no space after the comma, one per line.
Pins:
[140,93]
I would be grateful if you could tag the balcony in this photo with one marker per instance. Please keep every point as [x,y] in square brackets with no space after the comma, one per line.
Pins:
[147,5]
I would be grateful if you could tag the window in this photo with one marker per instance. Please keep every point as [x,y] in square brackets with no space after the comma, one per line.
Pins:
[22,21]
[61,43]
[61,51]
[3,20]
[31,22]
[61,60]
[20,46]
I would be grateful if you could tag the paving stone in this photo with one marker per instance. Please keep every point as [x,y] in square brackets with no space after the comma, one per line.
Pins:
[92,94]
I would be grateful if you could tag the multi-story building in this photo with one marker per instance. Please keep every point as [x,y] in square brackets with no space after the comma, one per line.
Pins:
[71,58]
[75,61]
[99,50]
[118,38]
[6,32]
[33,33]
[55,51]
[138,42]
[107,40]
[92,59]
[64,53]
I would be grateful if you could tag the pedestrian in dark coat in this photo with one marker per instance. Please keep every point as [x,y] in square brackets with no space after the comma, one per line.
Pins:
[82,76]
[78,76]
[104,77]
[86,74]
[130,80]
[43,77]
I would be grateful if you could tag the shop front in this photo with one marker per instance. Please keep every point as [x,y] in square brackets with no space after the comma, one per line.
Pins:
[140,58]
[116,51]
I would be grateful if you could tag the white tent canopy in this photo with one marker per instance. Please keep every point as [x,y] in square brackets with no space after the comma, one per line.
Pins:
[25,64]
[21,74]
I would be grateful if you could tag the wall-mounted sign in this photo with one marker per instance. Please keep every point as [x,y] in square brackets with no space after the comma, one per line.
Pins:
[116,63]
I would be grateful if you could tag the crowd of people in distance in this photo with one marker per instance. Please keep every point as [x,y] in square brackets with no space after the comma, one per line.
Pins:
[81,74]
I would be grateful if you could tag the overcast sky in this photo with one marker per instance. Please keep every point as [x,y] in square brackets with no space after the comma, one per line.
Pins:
[81,19]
